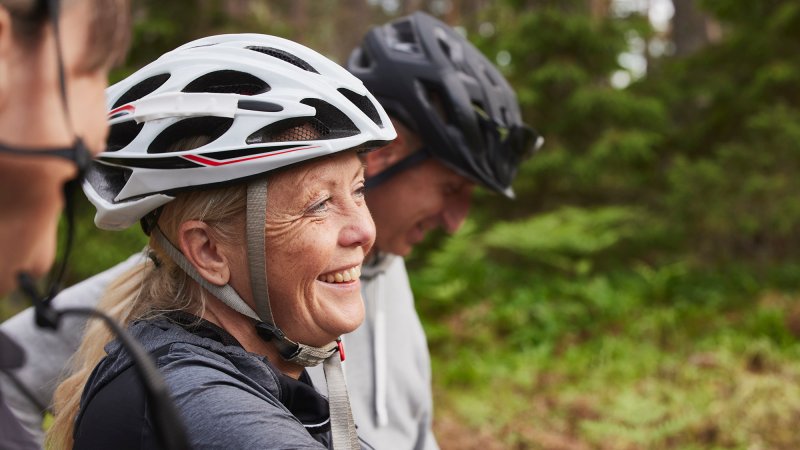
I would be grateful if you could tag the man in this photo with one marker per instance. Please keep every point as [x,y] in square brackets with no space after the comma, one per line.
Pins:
[458,125]
[92,38]
[39,128]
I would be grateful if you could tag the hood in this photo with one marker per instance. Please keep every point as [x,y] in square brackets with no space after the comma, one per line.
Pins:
[158,335]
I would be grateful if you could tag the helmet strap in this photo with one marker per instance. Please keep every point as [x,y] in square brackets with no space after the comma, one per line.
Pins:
[343,430]
[226,294]
[406,163]
[256,259]
[256,218]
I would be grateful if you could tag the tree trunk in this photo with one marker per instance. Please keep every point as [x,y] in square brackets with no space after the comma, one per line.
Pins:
[690,27]
[237,8]
[352,21]
[599,9]
[299,19]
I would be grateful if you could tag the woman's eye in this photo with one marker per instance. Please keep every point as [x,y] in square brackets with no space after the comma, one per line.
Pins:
[319,207]
[360,191]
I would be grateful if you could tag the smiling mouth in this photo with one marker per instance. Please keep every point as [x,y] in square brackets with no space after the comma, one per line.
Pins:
[344,276]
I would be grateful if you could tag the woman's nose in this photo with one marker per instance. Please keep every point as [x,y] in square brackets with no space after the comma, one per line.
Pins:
[359,229]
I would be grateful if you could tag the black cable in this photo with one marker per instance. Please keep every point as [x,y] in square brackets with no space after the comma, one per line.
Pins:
[167,423]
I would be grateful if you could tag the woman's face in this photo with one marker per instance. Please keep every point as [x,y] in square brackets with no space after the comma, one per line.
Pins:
[318,231]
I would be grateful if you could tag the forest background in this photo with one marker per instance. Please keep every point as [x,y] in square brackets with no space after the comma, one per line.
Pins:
[642,292]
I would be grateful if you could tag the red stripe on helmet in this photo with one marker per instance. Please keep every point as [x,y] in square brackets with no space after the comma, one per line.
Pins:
[216,163]
[122,109]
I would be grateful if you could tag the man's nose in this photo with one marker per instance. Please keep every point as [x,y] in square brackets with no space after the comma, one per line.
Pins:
[456,210]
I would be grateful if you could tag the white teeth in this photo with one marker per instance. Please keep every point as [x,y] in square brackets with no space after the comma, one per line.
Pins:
[344,276]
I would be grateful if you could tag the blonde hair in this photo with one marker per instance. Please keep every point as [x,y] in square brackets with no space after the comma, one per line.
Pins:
[147,291]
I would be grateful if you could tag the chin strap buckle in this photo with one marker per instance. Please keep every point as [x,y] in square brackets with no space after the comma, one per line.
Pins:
[269,332]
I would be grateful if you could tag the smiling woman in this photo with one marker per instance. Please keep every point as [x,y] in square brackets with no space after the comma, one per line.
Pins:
[246,286]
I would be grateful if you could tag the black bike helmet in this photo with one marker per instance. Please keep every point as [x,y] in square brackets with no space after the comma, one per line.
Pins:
[434,81]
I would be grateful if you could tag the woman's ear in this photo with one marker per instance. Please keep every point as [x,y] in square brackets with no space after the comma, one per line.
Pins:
[197,242]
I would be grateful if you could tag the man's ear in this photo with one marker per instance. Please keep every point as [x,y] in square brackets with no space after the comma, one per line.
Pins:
[197,242]
[379,160]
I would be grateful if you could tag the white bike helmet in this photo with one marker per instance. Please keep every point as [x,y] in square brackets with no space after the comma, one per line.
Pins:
[240,94]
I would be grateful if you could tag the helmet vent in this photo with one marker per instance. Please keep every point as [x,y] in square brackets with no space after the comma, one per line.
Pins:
[290,130]
[189,134]
[363,103]
[488,74]
[445,48]
[122,134]
[400,36]
[450,47]
[107,180]
[284,56]
[228,82]
[362,59]
[436,99]
[335,120]
[140,89]
[487,124]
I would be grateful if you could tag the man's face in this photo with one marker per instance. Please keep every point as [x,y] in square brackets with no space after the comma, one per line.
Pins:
[31,116]
[412,203]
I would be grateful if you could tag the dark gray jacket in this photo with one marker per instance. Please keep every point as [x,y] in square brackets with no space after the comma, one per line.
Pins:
[228,398]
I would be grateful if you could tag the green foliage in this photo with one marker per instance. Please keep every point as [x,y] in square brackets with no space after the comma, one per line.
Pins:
[542,284]
[734,138]
[564,238]
[640,261]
